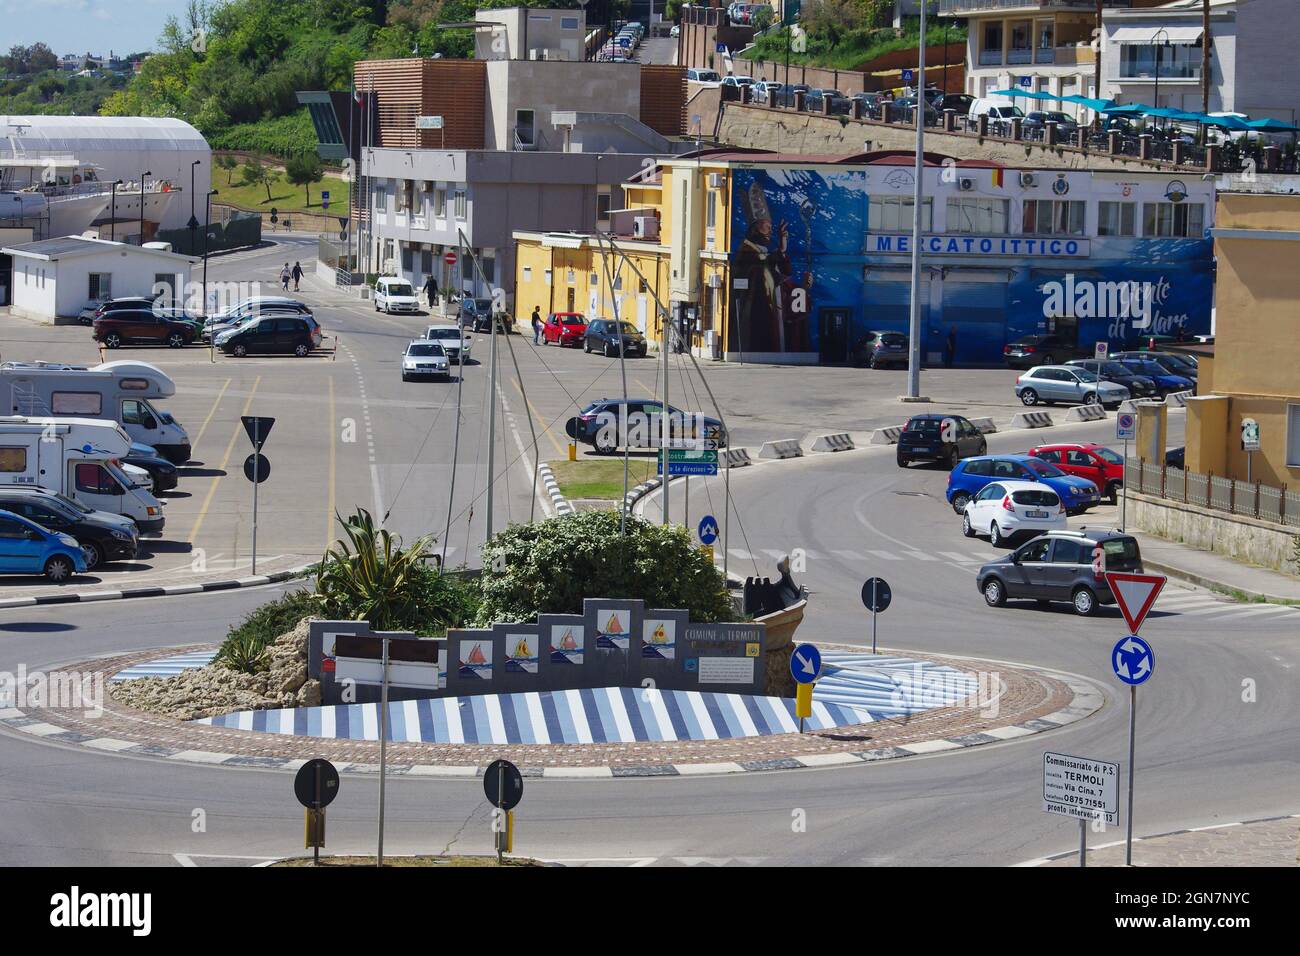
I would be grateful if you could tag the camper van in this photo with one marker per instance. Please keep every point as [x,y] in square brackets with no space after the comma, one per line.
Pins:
[117,391]
[76,457]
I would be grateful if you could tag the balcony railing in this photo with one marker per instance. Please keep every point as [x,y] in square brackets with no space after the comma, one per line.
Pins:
[964,7]
[1045,54]
[1020,56]
[990,57]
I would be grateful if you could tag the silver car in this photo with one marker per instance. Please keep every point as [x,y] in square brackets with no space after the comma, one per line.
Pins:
[1049,384]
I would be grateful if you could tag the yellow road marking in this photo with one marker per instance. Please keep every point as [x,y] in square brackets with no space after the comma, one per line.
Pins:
[230,447]
[537,417]
[212,411]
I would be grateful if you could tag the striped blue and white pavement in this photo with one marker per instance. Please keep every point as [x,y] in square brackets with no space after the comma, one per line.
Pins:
[165,666]
[855,693]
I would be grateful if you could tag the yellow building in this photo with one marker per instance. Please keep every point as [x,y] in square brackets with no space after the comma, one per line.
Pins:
[1252,371]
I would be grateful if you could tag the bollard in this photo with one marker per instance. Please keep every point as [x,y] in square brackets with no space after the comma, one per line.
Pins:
[856,108]
[1144,146]
[798,101]
[1212,157]
[982,124]
[1016,123]
[1112,141]
[949,121]
[1049,133]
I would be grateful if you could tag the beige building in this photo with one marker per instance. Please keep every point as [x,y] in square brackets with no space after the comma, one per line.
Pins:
[524,33]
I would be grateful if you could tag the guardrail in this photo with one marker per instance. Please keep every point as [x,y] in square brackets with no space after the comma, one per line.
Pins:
[1250,499]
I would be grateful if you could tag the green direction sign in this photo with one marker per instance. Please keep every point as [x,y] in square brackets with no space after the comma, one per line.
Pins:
[689,461]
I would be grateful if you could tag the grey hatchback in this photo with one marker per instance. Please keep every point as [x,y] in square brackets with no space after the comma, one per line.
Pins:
[1061,566]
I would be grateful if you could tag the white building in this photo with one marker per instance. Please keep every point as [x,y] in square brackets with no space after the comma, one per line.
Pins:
[57,278]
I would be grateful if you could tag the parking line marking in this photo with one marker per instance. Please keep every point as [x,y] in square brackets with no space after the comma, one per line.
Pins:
[212,411]
[886,556]
[537,416]
[216,479]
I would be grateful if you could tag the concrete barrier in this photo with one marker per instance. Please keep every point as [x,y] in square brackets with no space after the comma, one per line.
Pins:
[840,442]
[886,436]
[736,457]
[1178,399]
[781,448]
[552,488]
[1031,420]
[985,425]
[1085,413]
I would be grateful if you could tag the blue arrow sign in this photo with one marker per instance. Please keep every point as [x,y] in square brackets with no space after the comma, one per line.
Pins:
[708,529]
[1133,660]
[805,663]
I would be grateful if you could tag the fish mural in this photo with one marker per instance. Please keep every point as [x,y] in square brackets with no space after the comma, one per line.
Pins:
[566,644]
[521,656]
[659,640]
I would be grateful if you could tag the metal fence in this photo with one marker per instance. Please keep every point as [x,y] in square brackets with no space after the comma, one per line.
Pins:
[1215,492]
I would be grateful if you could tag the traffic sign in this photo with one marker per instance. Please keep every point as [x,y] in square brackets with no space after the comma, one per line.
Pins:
[1026,81]
[324,198]
[1249,434]
[257,468]
[1080,787]
[1101,350]
[876,595]
[1135,593]
[805,664]
[1133,660]
[1126,426]
[708,529]
[449,257]
[258,428]
[682,461]
[503,784]
[317,784]
[908,76]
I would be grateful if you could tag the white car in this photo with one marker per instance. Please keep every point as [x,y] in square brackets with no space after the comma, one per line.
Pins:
[453,341]
[704,77]
[424,358]
[1003,510]
[395,295]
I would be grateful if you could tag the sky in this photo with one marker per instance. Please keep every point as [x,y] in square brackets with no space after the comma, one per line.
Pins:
[86,26]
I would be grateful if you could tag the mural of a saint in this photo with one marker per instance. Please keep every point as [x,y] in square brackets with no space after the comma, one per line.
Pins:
[768,316]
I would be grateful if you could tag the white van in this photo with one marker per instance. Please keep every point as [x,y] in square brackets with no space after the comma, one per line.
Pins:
[393,294]
[76,457]
[996,109]
[117,391]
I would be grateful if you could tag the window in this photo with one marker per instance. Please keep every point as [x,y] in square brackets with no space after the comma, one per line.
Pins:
[568,23]
[548,277]
[440,202]
[83,404]
[1035,552]
[1005,469]
[11,529]
[711,211]
[989,492]
[894,214]
[101,286]
[13,459]
[528,273]
[1080,458]
[91,478]
[982,217]
[1116,218]
[1053,456]
[460,204]
[602,206]
[1071,552]
[426,262]
[983,467]
[1293,436]
[1170,219]
[381,198]
[137,413]
[164,284]
[1054,217]
[408,259]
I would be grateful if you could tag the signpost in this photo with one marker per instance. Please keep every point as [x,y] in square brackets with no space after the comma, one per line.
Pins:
[685,461]
[805,668]
[316,785]
[256,468]
[1081,787]
[503,785]
[876,597]
[324,198]
[1101,350]
[1249,442]
[1126,428]
[449,257]
[1133,661]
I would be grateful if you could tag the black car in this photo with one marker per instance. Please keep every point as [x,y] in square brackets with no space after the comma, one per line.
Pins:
[879,349]
[959,102]
[1060,566]
[610,424]
[1139,386]
[162,471]
[839,103]
[1171,362]
[102,537]
[1034,350]
[1176,457]
[943,438]
[271,335]
[603,336]
[477,314]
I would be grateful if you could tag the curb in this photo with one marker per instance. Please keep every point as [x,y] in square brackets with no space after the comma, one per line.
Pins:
[561,503]
[640,491]
[1088,699]
[1202,581]
[126,594]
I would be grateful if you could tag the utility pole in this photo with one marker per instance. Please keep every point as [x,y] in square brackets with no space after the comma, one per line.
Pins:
[914,325]
[1096,62]
[1205,65]
[663,412]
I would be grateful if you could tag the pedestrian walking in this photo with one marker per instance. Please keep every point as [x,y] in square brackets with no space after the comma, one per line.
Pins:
[950,348]
[431,290]
[297,275]
[284,277]
[538,325]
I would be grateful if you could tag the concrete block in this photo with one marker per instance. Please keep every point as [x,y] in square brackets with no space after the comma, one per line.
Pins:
[839,442]
[1032,420]
[781,448]
[1085,413]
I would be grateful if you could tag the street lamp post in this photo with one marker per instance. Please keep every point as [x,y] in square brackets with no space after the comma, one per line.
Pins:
[194,222]
[112,213]
[147,172]
[914,322]
[207,223]
[1159,51]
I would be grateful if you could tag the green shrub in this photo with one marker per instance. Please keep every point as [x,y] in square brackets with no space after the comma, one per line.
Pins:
[550,566]
[244,648]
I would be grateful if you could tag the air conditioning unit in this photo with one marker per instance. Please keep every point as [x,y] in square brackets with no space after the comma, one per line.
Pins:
[645,227]
[715,281]
[715,180]
[1028,179]
[965,184]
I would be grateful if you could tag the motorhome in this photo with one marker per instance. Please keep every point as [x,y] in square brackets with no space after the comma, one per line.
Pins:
[117,391]
[76,457]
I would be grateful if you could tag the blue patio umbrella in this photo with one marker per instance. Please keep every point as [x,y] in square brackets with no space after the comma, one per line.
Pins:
[1027,94]
[1270,125]
[1128,109]
[1099,106]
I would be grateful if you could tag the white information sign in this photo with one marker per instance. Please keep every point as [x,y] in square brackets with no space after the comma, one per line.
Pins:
[726,670]
[1080,787]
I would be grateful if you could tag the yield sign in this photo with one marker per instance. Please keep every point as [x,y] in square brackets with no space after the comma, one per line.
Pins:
[1135,593]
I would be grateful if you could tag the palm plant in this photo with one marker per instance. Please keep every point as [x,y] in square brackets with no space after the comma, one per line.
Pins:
[369,576]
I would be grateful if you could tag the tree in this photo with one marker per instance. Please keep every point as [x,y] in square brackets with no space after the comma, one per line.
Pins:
[255,174]
[303,170]
[229,163]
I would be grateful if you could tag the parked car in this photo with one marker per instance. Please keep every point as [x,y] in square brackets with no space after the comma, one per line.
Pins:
[1139,386]
[1099,464]
[395,295]
[968,477]
[269,335]
[879,349]
[1007,511]
[603,336]
[704,77]
[161,471]
[142,327]
[1175,364]
[425,358]
[676,31]
[1166,382]
[565,328]
[870,103]
[1050,384]
[88,315]
[599,425]
[1036,122]
[1060,566]
[474,312]
[251,308]
[839,103]
[943,438]
[996,110]
[1176,458]
[28,548]
[101,536]
[1034,350]
[737,81]
[959,102]
[453,341]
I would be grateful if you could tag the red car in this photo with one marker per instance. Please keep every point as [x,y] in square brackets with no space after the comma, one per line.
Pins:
[564,328]
[1103,467]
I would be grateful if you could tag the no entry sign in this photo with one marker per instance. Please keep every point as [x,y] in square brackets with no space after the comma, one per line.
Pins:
[449,257]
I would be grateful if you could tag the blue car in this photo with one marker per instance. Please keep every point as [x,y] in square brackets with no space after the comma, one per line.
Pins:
[969,476]
[28,548]
[1164,380]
